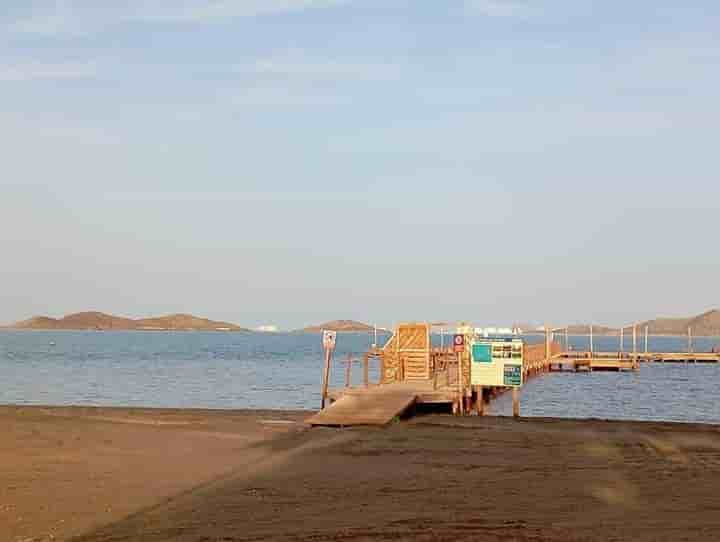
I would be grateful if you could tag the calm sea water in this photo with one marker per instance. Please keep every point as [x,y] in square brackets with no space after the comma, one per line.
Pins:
[228,370]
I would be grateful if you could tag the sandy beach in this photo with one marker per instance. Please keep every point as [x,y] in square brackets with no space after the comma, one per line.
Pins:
[89,474]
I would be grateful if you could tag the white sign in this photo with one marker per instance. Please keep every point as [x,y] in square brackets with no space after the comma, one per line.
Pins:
[497,362]
[329,339]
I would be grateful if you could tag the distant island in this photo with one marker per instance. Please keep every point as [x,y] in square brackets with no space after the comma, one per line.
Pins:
[349,326]
[706,324]
[104,322]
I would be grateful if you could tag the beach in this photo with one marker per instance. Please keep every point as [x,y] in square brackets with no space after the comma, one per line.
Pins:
[117,474]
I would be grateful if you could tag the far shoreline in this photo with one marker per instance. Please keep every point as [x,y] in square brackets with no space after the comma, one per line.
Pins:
[628,338]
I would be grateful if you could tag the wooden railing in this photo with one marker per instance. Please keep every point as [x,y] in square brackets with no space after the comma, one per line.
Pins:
[364,361]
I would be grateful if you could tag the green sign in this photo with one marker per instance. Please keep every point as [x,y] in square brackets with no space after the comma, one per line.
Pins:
[482,353]
[512,376]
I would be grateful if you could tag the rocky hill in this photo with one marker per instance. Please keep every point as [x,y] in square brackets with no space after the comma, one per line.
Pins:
[185,322]
[340,326]
[705,324]
[102,321]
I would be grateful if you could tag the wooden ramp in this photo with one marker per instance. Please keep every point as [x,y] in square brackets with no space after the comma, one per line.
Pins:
[371,407]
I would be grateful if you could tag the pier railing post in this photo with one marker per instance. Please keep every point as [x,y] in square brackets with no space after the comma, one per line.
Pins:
[347,370]
[516,402]
[366,370]
[480,405]
[547,341]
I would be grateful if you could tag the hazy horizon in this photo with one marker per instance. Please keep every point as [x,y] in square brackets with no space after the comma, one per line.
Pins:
[289,163]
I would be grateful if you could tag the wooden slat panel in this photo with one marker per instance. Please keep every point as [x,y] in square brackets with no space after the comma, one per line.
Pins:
[371,408]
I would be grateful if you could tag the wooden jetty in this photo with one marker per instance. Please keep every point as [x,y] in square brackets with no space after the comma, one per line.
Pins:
[409,372]
[629,360]
[680,357]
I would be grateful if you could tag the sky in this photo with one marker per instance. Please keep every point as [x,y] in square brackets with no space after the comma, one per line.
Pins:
[289,162]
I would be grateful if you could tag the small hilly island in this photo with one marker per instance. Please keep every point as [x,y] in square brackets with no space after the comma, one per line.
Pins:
[100,321]
[347,326]
[706,324]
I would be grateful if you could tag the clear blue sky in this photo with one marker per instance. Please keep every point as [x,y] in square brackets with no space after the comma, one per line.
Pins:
[291,161]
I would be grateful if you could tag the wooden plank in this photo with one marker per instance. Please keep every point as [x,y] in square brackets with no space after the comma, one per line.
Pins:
[370,408]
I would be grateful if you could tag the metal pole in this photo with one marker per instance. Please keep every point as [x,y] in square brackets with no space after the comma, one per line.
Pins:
[592,349]
[326,377]
[690,347]
[460,385]
[622,340]
[646,339]
[634,340]
[516,402]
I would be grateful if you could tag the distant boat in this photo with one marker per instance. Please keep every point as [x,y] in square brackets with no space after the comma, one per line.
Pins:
[52,343]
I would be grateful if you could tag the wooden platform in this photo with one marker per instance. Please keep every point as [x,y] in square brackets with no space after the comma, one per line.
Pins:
[684,357]
[643,357]
[377,405]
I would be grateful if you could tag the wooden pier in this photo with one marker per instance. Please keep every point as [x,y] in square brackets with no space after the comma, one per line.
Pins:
[410,372]
[610,359]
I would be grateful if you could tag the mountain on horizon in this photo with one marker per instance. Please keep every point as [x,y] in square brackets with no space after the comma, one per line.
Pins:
[340,326]
[705,324]
[100,321]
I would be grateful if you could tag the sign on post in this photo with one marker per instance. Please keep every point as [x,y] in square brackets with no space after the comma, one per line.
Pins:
[497,362]
[459,343]
[329,339]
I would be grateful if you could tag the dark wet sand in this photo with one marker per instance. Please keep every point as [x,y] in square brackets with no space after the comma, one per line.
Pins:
[200,475]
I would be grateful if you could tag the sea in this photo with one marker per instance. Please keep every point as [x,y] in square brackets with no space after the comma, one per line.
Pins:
[221,370]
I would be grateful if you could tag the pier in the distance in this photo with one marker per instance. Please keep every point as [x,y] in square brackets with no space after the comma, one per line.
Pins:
[409,371]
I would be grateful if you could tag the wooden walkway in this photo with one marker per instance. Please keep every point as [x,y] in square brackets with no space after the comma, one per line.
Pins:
[377,405]
[593,364]
[410,371]
[601,358]
[673,357]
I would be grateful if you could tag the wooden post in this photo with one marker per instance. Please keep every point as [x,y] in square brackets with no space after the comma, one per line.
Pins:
[516,402]
[480,406]
[634,341]
[347,370]
[366,371]
[461,397]
[435,372]
[547,342]
[326,377]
